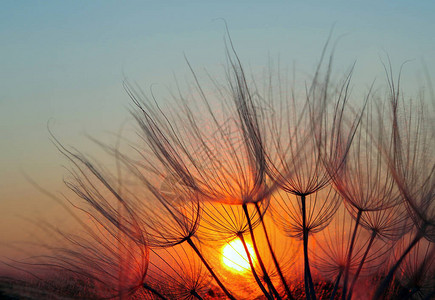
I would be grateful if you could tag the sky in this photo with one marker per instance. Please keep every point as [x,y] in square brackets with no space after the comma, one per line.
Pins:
[62,65]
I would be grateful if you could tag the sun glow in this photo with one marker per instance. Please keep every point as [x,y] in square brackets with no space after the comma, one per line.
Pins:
[234,256]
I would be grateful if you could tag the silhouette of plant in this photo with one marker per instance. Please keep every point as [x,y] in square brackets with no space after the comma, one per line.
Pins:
[416,273]
[175,212]
[364,181]
[412,166]
[179,273]
[308,145]
[261,163]
[333,247]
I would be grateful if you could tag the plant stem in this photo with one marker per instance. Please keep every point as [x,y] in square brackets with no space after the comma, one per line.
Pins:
[257,279]
[349,255]
[309,286]
[352,286]
[190,242]
[337,282]
[275,261]
[257,253]
[387,280]
[195,294]
[154,291]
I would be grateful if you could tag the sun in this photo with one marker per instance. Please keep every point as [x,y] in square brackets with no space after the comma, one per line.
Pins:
[234,256]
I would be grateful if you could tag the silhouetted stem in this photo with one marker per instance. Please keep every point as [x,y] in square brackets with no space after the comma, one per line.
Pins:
[337,282]
[309,286]
[154,291]
[257,279]
[257,253]
[352,286]
[419,274]
[349,255]
[190,242]
[272,253]
[196,295]
[387,280]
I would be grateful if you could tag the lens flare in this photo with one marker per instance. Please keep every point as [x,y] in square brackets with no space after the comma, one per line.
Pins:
[234,256]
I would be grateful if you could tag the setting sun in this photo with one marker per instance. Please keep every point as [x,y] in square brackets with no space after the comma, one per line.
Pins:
[234,256]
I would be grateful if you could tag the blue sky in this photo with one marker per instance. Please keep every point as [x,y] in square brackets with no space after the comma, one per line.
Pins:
[64,62]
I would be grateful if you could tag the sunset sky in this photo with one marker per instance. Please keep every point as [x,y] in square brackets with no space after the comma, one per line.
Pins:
[63,63]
